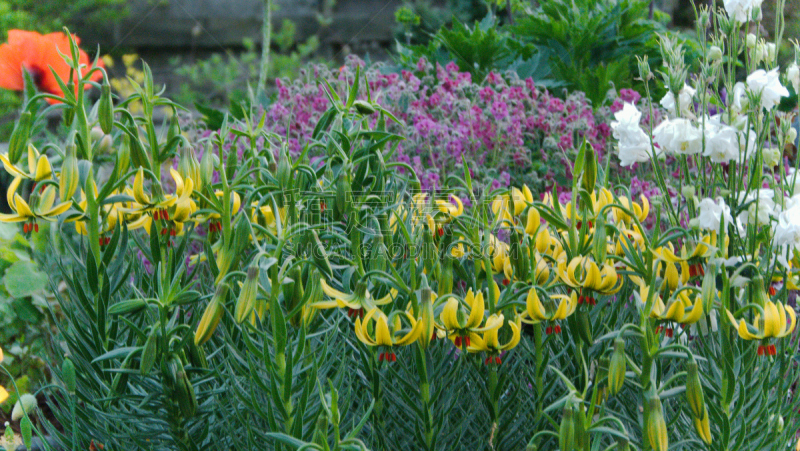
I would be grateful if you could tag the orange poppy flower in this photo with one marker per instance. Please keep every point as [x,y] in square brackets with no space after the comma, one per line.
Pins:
[36,54]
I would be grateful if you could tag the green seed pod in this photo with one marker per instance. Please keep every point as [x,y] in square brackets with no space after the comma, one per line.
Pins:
[655,426]
[149,351]
[69,176]
[694,390]
[617,367]
[363,107]
[105,109]
[19,137]
[247,296]
[68,373]
[566,432]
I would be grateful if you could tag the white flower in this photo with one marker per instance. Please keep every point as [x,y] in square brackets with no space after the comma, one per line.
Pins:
[787,230]
[761,208]
[740,100]
[684,97]
[793,75]
[772,157]
[713,213]
[722,144]
[678,137]
[634,145]
[768,84]
[742,10]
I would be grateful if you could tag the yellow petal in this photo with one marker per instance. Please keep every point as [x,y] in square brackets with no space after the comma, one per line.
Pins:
[534,306]
[449,315]
[515,335]
[21,207]
[138,188]
[43,169]
[11,169]
[382,335]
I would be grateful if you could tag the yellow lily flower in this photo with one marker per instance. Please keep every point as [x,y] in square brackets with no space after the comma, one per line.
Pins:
[681,310]
[772,325]
[146,204]
[539,312]
[41,206]
[583,273]
[265,212]
[640,211]
[357,301]
[39,167]
[214,217]
[388,331]
[460,322]
[490,342]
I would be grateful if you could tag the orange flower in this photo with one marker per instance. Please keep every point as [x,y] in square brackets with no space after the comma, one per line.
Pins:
[36,54]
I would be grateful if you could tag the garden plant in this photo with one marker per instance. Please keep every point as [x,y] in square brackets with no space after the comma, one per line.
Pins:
[305,288]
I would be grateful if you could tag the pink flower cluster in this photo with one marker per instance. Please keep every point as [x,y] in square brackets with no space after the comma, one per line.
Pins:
[509,130]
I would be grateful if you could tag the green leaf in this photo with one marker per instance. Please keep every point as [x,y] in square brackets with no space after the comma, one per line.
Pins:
[23,278]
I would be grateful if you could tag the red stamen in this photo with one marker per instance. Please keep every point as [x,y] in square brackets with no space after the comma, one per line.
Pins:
[701,270]
[440,231]
[393,356]
[773,350]
[761,350]
[466,340]
[497,361]
[25,228]
[548,330]
[322,206]
[380,357]
[669,332]
[659,329]
[487,361]
[580,299]
[36,228]
[506,282]
[172,232]
[772,291]
[557,329]
[458,342]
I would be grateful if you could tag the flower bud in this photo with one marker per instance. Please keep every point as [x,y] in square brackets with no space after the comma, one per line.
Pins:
[207,164]
[751,40]
[426,312]
[599,243]
[694,390]
[19,137]
[708,289]
[791,135]
[247,296]
[149,352]
[715,53]
[344,197]
[105,109]
[589,176]
[284,171]
[211,316]
[703,427]
[617,367]
[69,175]
[68,374]
[189,168]
[771,52]
[688,191]
[364,107]
[656,427]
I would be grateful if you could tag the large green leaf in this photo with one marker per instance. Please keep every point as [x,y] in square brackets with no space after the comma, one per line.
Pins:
[23,278]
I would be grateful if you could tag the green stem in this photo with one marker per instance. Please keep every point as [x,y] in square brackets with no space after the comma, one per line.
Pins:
[266,42]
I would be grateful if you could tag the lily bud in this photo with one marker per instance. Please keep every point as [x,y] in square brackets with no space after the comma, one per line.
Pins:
[149,352]
[566,432]
[341,205]
[68,177]
[207,164]
[211,316]
[247,296]
[709,287]
[694,391]
[19,137]
[589,177]
[655,426]
[284,171]
[617,367]
[703,428]
[105,109]
[68,374]
[599,241]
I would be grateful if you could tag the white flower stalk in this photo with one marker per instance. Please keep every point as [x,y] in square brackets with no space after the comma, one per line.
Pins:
[742,10]
[770,87]
[685,97]
[634,145]
[678,137]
